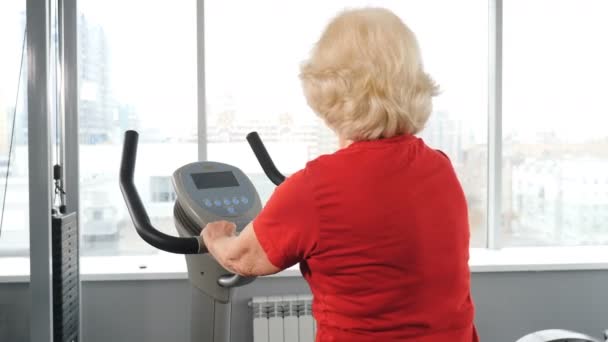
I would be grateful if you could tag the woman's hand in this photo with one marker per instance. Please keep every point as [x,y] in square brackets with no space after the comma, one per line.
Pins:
[215,231]
[240,254]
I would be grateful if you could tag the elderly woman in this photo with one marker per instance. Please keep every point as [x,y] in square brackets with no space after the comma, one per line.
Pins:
[380,227]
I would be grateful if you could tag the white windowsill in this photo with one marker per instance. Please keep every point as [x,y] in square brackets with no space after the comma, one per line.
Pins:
[171,266]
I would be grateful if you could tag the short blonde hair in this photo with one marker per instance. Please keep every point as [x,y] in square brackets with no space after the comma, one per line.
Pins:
[365,77]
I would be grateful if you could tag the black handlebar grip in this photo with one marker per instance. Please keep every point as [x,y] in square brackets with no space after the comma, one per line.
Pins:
[141,221]
[264,158]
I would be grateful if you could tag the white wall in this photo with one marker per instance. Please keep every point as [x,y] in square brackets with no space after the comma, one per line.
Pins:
[509,305]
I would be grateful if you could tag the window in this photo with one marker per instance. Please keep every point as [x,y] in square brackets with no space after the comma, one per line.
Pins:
[161,189]
[554,119]
[144,77]
[137,70]
[252,58]
[14,234]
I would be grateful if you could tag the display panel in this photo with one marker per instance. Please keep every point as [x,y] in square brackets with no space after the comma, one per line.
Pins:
[211,180]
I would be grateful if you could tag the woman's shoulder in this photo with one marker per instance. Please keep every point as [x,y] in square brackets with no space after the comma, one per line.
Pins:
[364,152]
[328,161]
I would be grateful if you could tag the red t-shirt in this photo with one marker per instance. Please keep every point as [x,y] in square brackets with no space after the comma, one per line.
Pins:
[381,232]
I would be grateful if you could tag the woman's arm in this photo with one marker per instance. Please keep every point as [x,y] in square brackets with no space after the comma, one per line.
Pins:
[241,254]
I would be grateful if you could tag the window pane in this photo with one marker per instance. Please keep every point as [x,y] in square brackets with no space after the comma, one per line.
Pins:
[137,70]
[14,231]
[161,189]
[252,59]
[555,138]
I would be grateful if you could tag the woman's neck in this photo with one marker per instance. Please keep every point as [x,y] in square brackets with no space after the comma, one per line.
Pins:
[344,142]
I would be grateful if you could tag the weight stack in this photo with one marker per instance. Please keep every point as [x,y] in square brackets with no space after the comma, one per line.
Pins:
[66,279]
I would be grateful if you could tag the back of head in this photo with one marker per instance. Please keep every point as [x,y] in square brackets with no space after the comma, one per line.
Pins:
[365,77]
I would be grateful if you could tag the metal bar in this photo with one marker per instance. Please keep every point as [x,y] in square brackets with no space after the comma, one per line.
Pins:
[70,100]
[494,224]
[61,95]
[60,89]
[200,64]
[39,144]
[69,13]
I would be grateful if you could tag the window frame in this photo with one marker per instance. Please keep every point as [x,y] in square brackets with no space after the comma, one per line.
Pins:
[493,258]
[494,202]
[166,266]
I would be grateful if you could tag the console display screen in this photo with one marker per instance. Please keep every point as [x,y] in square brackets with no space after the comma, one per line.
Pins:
[209,180]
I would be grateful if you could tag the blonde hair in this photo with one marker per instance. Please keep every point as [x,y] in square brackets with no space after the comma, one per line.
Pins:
[365,77]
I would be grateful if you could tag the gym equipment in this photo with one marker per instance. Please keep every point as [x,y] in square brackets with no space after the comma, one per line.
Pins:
[66,277]
[558,335]
[206,192]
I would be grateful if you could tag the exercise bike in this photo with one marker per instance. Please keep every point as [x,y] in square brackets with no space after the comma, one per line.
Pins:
[206,192]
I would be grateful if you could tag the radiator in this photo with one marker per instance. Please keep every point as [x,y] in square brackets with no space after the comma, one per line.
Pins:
[283,319]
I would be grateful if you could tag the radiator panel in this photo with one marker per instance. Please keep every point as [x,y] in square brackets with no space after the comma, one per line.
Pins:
[260,319]
[283,319]
[290,318]
[275,319]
